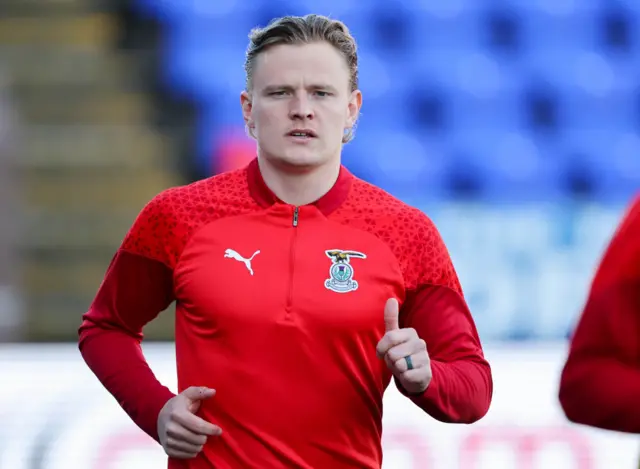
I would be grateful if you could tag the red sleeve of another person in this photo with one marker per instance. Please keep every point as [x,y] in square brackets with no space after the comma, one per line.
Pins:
[137,286]
[600,382]
[462,387]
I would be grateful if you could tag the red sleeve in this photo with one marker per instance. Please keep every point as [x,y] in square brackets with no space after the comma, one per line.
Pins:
[462,386]
[138,286]
[600,382]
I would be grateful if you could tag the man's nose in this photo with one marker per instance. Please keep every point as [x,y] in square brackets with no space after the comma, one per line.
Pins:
[301,108]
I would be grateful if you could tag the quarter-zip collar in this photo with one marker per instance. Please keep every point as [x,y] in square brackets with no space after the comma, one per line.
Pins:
[326,204]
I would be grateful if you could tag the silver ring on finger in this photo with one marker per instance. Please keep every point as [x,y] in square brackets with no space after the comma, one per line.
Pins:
[409,362]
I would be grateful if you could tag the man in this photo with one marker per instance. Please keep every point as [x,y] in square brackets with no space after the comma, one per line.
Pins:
[300,290]
[600,382]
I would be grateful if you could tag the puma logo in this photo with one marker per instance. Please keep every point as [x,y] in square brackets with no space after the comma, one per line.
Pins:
[231,254]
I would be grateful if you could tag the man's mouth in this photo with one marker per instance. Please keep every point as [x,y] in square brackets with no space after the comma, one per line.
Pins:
[302,133]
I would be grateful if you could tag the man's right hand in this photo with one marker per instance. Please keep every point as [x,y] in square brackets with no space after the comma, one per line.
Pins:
[182,434]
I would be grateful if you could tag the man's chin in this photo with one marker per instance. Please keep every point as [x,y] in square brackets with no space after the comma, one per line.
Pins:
[298,161]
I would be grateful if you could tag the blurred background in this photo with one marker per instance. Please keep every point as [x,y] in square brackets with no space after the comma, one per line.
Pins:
[514,124]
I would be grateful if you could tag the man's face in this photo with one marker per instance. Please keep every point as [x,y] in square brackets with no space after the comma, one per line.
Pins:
[300,104]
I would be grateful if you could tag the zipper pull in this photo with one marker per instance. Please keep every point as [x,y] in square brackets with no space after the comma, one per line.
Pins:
[295,216]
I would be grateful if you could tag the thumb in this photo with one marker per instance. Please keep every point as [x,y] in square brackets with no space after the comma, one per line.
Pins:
[198,393]
[391,315]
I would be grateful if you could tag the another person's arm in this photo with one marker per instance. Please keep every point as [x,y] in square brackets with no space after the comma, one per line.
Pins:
[600,382]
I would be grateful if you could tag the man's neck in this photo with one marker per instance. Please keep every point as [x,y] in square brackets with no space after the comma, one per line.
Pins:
[298,187]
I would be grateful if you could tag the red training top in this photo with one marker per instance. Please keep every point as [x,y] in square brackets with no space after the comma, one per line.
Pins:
[280,310]
[600,383]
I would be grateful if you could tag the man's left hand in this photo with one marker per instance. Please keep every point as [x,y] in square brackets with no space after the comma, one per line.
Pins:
[404,352]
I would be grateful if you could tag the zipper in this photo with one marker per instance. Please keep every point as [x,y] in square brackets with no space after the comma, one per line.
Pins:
[292,261]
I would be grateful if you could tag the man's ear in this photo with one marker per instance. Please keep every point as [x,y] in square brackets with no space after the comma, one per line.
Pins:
[247,107]
[355,103]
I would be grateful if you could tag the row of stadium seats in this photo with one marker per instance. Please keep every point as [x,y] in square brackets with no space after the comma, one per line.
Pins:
[498,31]
[530,99]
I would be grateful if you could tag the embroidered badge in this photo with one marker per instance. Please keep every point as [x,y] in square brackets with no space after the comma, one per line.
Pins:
[341,271]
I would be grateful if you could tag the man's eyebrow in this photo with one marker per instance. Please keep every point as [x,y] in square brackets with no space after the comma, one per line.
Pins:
[323,87]
[270,88]
[315,86]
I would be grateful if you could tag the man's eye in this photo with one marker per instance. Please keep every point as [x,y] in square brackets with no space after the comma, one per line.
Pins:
[322,93]
[277,93]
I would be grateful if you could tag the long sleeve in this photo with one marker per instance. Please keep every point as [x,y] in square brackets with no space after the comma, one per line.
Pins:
[137,286]
[600,382]
[461,388]
[135,291]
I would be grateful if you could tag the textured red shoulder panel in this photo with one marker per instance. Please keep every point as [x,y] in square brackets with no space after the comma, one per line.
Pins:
[165,225]
[409,233]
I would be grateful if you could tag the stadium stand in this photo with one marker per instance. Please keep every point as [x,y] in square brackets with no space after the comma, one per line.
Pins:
[502,101]
[92,156]
[526,111]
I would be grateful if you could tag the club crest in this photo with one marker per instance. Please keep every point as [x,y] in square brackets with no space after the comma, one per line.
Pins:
[341,271]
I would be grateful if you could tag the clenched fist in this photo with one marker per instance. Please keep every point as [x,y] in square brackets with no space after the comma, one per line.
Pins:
[404,352]
[183,434]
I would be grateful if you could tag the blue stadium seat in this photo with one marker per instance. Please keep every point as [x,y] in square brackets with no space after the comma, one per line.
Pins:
[384,85]
[511,166]
[407,164]
[545,30]
[610,158]
[589,111]
[208,71]
[336,9]
[173,12]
